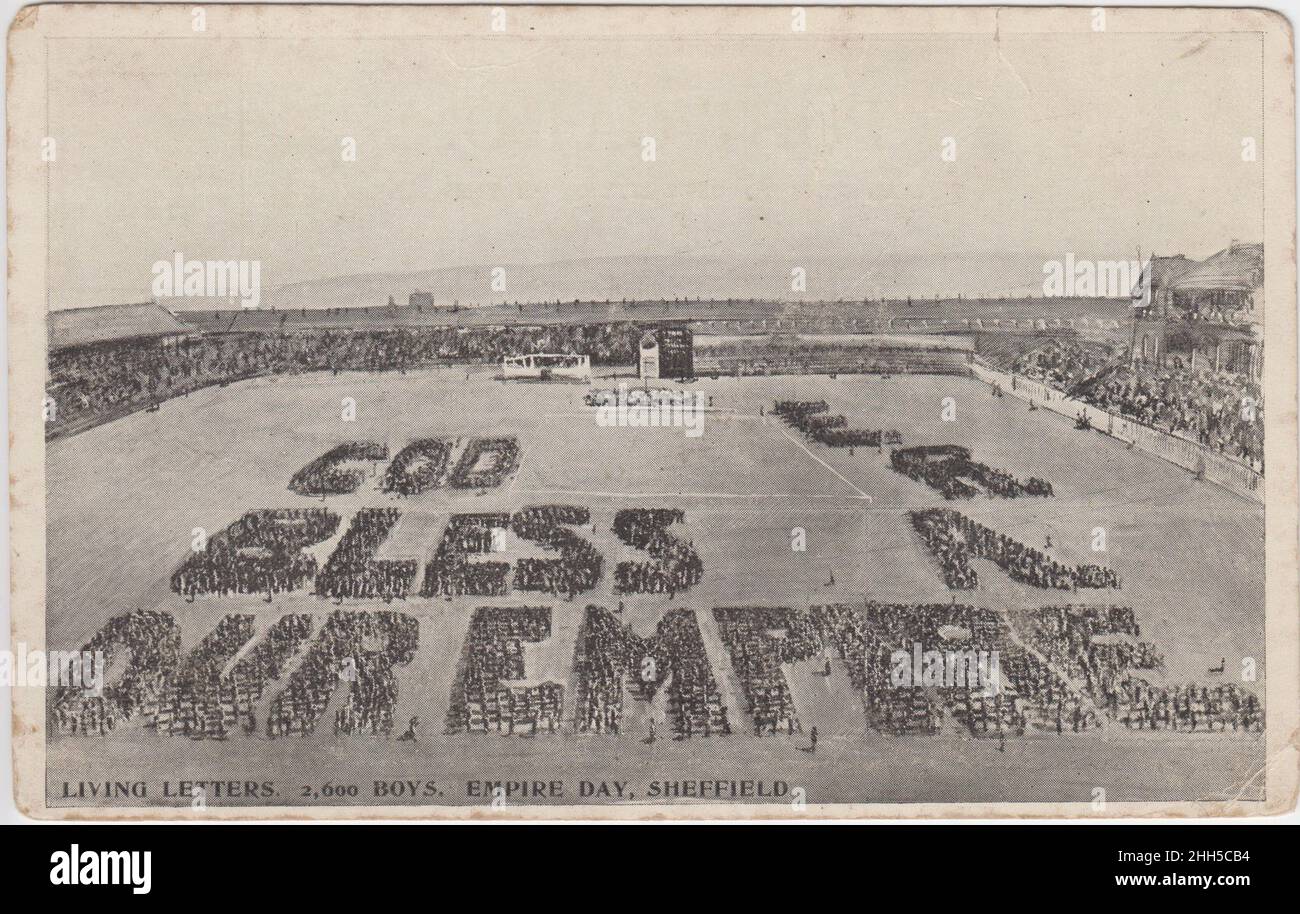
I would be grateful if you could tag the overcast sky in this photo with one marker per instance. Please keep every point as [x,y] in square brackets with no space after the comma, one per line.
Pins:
[515,151]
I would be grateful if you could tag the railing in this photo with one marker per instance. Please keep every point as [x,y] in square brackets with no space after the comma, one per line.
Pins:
[1191,455]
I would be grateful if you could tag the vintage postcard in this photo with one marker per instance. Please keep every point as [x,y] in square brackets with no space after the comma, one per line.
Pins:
[639,412]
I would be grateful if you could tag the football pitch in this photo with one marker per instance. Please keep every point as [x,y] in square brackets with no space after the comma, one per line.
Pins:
[125,499]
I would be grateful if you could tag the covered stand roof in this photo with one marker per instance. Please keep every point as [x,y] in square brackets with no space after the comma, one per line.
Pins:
[110,323]
[1240,267]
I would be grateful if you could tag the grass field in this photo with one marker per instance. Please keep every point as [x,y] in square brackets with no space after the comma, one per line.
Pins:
[124,499]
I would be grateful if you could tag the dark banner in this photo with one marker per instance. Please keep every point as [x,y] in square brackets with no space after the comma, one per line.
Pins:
[942,864]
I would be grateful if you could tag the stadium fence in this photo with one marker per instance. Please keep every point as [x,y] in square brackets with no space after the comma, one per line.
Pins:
[1190,455]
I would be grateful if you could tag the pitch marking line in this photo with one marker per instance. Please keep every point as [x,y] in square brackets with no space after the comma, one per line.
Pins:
[519,469]
[757,495]
[803,447]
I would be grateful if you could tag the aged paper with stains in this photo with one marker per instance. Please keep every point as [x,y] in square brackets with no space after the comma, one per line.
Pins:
[555,412]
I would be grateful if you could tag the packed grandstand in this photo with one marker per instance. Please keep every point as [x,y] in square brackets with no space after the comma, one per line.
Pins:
[145,356]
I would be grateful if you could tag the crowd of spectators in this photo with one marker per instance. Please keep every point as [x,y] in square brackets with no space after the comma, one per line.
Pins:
[452,574]
[326,475]
[947,468]
[93,384]
[1059,363]
[486,463]
[418,467]
[612,659]
[812,418]
[867,639]
[676,566]
[1221,409]
[152,641]
[954,539]
[757,654]
[360,649]
[482,698]
[262,552]
[580,564]
[266,661]
[196,702]
[1100,649]
[1190,708]
[352,570]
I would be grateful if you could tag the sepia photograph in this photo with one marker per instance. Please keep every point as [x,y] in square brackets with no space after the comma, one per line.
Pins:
[628,413]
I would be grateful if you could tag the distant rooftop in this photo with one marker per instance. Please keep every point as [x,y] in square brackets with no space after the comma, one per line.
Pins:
[108,323]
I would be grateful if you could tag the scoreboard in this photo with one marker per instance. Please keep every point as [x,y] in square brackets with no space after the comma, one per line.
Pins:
[676,351]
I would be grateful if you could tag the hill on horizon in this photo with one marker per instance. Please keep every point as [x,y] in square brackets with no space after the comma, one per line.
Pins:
[667,277]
